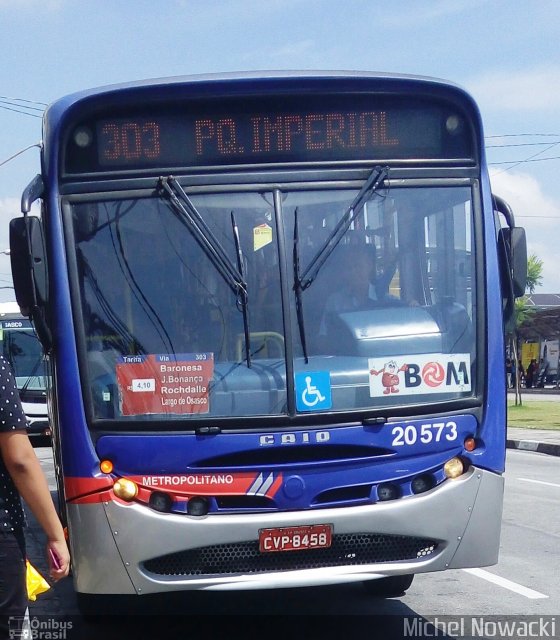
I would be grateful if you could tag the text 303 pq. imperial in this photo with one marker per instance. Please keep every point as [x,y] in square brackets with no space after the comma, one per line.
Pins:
[275,306]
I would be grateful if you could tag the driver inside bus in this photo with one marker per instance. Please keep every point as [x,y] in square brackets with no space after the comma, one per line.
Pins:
[357,290]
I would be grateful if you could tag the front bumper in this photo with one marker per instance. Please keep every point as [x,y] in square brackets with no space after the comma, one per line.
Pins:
[112,542]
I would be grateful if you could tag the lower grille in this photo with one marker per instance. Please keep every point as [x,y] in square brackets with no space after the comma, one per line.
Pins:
[347,549]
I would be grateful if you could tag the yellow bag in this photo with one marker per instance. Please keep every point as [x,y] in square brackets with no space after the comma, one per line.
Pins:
[36,584]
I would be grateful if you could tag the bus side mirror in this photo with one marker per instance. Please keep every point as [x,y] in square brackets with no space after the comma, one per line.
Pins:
[514,258]
[513,266]
[29,265]
[518,248]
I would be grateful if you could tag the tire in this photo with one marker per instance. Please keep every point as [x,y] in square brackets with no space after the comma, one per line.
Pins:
[391,587]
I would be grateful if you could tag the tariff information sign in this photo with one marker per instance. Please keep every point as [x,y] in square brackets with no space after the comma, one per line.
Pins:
[164,383]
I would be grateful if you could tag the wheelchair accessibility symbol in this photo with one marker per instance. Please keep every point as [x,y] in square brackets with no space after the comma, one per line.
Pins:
[313,391]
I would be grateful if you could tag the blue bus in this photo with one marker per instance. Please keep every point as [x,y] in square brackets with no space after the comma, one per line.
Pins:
[275,304]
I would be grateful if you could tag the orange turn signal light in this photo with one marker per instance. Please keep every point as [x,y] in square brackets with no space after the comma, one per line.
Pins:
[106,466]
[469,444]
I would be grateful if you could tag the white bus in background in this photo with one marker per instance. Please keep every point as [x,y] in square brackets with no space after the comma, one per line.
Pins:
[22,349]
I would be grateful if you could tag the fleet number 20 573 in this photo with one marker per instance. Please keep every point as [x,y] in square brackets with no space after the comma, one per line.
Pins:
[425,433]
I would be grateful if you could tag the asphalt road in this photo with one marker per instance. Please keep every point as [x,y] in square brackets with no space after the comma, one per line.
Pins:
[525,581]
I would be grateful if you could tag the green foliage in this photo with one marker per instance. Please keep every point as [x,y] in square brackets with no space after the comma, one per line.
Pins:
[534,273]
[524,312]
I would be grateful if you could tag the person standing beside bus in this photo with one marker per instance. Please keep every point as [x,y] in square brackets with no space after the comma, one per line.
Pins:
[530,373]
[521,373]
[21,476]
[510,371]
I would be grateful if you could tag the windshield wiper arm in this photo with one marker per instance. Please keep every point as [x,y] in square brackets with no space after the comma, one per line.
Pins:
[374,181]
[234,277]
[242,298]
[189,215]
[298,288]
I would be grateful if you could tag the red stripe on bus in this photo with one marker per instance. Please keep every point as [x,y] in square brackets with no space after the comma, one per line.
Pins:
[81,487]
[275,486]
[96,498]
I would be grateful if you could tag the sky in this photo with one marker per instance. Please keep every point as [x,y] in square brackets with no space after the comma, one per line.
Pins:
[505,53]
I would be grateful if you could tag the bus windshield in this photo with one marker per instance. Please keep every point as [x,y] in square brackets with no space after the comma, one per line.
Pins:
[22,349]
[387,319]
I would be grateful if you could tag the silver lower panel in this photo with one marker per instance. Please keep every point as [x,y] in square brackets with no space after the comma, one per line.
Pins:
[112,541]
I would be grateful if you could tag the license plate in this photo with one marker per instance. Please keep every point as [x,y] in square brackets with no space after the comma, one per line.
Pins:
[314,536]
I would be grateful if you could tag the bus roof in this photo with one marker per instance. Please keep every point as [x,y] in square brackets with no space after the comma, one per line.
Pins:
[258,77]
[69,110]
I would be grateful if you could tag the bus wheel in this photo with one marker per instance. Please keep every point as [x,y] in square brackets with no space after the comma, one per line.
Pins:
[391,587]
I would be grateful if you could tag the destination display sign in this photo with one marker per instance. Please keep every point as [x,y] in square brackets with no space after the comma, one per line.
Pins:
[164,384]
[263,131]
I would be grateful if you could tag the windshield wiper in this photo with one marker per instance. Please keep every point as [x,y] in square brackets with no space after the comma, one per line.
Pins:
[189,215]
[242,298]
[371,185]
[298,288]
[234,277]
[304,280]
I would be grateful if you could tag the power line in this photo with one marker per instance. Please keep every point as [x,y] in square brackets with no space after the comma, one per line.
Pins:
[522,144]
[44,104]
[25,113]
[531,158]
[23,106]
[520,135]
[516,162]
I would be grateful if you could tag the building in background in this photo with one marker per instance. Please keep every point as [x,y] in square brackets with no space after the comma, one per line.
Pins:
[540,334]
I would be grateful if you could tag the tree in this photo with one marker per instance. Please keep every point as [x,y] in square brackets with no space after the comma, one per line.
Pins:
[523,314]
[534,273]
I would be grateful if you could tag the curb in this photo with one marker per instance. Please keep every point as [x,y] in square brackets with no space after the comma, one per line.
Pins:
[550,448]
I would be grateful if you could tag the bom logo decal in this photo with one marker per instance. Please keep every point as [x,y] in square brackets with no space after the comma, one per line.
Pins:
[420,374]
[433,374]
